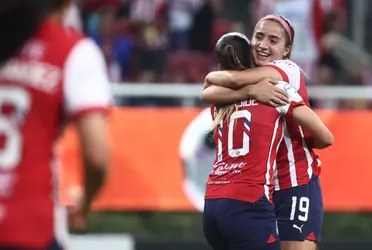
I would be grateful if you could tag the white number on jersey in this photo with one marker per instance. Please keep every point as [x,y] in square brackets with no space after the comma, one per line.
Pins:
[239,114]
[19,100]
[303,208]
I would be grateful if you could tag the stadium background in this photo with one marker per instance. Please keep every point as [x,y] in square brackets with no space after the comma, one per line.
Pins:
[158,53]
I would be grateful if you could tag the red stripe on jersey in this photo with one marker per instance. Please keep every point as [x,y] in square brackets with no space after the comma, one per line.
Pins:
[277,137]
[308,138]
[90,110]
[306,157]
[282,166]
[292,106]
[301,163]
[212,111]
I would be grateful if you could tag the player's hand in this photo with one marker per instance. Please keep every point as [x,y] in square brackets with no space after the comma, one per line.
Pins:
[77,220]
[318,162]
[77,216]
[267,93]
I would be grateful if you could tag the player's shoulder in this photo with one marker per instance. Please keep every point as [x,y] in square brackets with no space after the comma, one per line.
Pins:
[285,64]
[58,39]
[288,67]
[85,55]
[55,30]
[86,47]
[289,70]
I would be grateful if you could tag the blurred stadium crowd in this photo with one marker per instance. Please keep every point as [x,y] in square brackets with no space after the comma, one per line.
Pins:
[172,41]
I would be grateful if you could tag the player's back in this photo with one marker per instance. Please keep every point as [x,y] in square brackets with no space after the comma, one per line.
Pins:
[32,113]
[246,151]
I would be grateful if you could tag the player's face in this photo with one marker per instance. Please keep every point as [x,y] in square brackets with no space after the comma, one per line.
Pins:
[268,43]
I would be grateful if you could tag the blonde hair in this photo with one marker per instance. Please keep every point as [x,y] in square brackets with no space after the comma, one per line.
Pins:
[221,114]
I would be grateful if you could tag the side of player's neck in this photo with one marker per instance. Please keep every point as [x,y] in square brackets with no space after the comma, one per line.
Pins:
[58,14]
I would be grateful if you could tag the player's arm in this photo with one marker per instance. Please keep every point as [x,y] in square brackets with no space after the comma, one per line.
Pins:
[219,95]
[237,79]
[293,73]
[87,97]
[306,118]
[92,132]
[264,92]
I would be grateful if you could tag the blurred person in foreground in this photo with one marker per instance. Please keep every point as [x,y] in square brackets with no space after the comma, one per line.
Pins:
[239,213]
[48,74]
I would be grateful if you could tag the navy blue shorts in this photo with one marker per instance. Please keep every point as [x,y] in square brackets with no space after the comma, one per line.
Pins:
[299,211]
[53,246]
[236,225]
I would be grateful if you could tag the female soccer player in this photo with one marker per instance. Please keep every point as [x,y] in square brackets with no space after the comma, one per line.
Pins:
[238,213]
[297,196]
[48,73]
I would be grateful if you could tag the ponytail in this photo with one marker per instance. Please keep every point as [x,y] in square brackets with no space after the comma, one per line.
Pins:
[221,114]
[233,52]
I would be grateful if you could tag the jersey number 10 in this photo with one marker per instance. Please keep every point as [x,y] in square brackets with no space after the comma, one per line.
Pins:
[236,152]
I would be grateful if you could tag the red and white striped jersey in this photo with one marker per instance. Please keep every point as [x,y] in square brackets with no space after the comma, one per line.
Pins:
[296,161]
[247,144]
[58,74]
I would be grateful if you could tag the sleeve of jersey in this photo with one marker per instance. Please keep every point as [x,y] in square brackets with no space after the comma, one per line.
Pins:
[290,72]
[294,98]
[86,87]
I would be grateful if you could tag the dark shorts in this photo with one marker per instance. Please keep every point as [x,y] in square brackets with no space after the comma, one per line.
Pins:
[236,225]
[299,211]
[53,246]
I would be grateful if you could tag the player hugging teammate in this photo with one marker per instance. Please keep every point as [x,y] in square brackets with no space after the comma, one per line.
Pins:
[265,174]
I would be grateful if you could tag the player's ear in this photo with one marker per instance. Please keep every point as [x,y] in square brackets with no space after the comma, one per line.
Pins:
[287,53]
